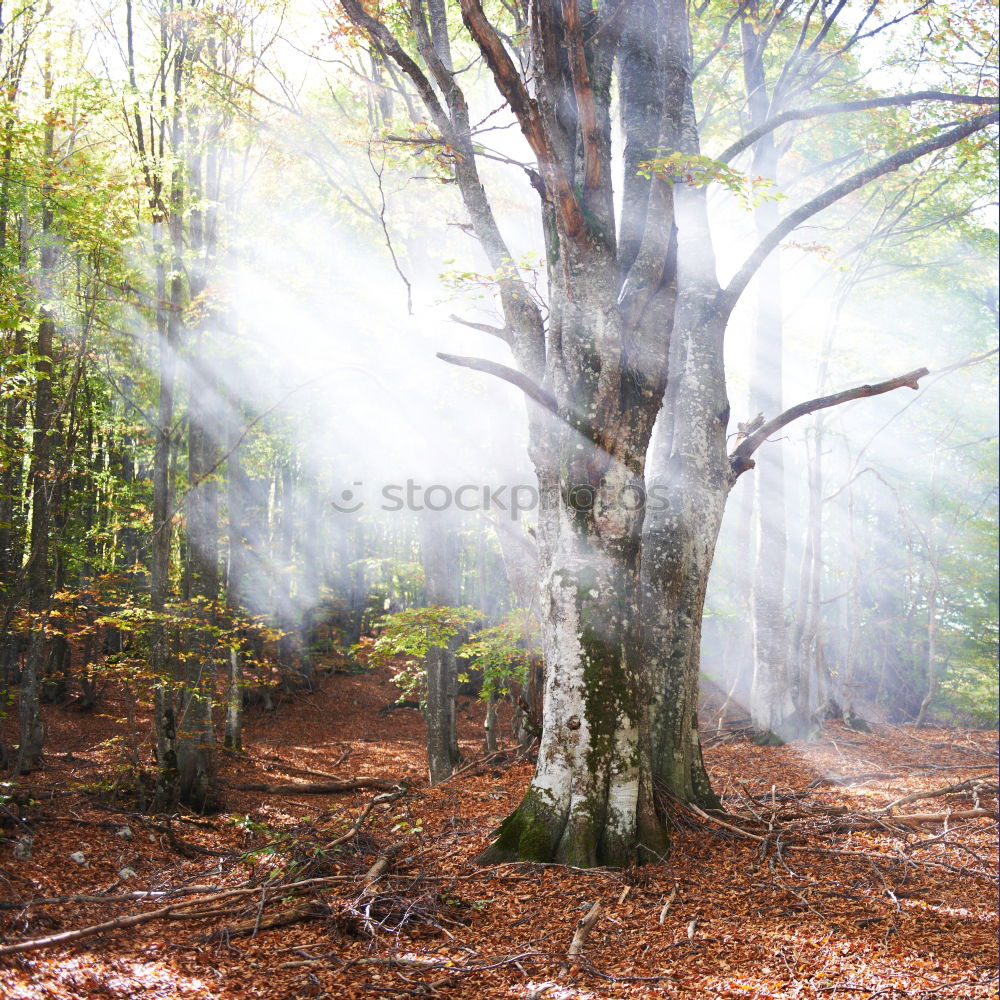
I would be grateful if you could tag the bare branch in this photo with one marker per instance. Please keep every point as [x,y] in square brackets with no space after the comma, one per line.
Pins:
[845,107]
[381,35]
[730,295]
[530,388]
[506,75]
[740,460]
[967,363]
[379,170]
[510,83]
[503,333]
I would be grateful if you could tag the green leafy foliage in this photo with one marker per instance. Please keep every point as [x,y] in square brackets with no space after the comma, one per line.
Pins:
[503,652]
[700,171]
[409,635]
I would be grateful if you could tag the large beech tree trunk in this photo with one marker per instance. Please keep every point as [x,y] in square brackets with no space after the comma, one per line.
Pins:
[590,801]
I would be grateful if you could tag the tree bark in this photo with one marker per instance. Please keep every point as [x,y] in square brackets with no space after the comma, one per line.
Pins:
[235,494]
[590,801]
[197,768]
[440,554]
[167,221]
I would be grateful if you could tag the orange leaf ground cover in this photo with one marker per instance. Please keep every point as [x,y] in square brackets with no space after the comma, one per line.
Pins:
[806,888]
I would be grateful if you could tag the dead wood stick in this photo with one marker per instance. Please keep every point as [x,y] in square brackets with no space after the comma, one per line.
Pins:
[116,923]
[478,762]
[297,915]
[131,920]
[941,817]
[218,911]
[381,866]
[728,826]
[667,904]
[960,786]
[399,792]
[308,772]
[583,928]
[408,963]
[318,787]
[126,897]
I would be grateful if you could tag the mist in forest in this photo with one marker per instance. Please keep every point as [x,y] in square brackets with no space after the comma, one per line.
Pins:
[339,327]
[328,366]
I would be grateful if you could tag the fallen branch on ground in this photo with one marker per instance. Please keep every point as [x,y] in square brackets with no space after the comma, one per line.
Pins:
[116,923]
[667,904]
[479,762]
[583,928]
[399,792]
[319,787]
[381,866]
[719,822]
[134,919]
[125,897]
[297,915]
[961,786]
[939,817]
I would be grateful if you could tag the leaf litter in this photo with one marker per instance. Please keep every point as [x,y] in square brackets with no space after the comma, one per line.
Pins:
[857,866]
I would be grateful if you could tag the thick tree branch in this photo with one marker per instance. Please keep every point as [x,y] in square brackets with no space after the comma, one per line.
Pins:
[512,86]
[452,122]
[501,332]
[845,107]
[425,46]
[740,460]
[586,110]
[529,387]
[606,443]
[383,37]
[730,295]
[506,75]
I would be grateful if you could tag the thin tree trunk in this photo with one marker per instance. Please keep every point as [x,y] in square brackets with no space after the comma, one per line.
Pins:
[771,707]
[236,487]
[932,653]
[32,728]
[165,717]
[169,674]
[439,546]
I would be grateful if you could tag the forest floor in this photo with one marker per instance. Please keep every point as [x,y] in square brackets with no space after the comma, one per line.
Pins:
[807,887]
